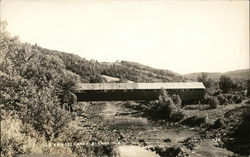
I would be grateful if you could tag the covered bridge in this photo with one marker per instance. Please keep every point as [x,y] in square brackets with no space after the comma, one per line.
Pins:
[188,91]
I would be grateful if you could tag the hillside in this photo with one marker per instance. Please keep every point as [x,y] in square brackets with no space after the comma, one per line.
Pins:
[93,71]
[241,74]
[139,73]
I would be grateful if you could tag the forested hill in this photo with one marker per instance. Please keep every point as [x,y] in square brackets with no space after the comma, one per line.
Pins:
[240,74]
[139,73]
[91,70]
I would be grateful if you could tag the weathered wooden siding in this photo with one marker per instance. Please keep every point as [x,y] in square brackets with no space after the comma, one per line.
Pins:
[138,91]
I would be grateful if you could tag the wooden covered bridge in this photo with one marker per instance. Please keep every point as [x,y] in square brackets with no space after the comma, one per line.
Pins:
[188,91]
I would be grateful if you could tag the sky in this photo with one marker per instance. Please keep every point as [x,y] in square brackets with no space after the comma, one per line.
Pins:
[182,36]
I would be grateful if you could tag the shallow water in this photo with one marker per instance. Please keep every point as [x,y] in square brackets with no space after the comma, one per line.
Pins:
[135,151]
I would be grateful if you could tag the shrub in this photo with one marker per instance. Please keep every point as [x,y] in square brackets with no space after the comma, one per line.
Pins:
[13,141]
[164,97]
[81,108]
[177,100]
[226,83]
[195,120]
[240,84]
[177,115]
[165,106]
[218,124]
[222,99]
[51,120]
[191,142]
[69,100]
[166,109]
[238,137]
[214,102]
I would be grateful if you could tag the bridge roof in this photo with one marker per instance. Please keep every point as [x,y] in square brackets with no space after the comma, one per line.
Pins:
[127,86]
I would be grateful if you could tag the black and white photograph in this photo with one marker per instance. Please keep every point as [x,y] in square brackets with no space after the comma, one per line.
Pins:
[124,78]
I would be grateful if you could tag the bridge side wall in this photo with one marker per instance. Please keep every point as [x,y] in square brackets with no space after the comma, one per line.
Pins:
[137,94]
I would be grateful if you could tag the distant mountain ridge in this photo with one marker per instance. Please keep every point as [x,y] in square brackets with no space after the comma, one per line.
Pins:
[241,74]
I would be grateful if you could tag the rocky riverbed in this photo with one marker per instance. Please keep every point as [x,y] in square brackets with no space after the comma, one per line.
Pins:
[132,134]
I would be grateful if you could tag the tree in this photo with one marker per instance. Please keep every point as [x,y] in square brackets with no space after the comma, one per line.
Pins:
[166,106]
[240,84]
[208,82]
[226,83]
